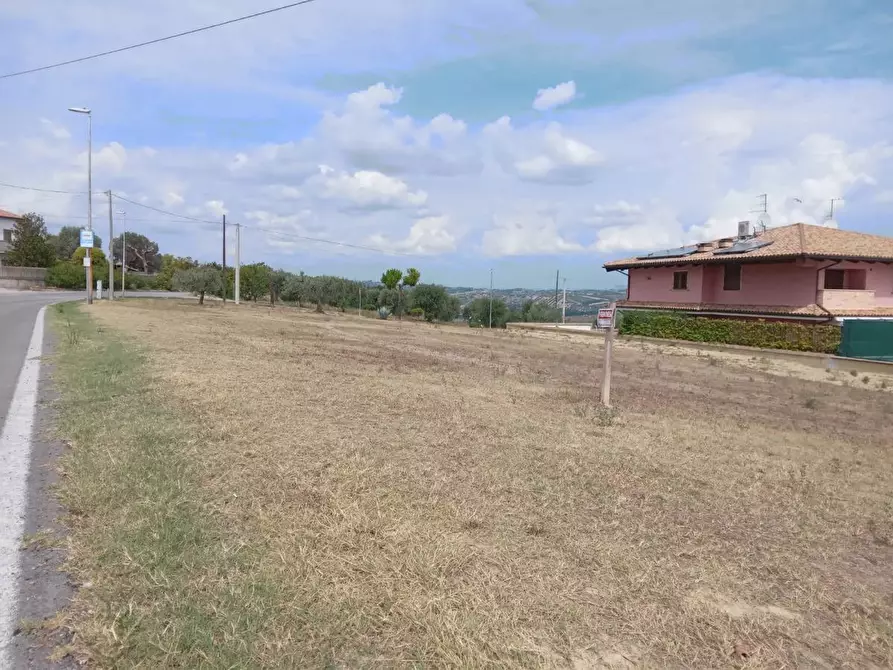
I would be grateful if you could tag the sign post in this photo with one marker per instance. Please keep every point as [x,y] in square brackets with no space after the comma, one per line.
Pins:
[605,319]
[87,242]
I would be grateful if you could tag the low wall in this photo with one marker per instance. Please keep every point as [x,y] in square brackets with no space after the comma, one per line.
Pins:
[22,278]
[820,361]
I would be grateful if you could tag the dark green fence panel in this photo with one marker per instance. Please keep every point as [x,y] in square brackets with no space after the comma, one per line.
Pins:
[867,339]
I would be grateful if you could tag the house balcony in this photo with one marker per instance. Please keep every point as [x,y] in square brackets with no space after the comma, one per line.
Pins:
[846,299]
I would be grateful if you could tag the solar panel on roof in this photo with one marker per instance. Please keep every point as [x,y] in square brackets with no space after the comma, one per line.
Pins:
[743,247]
[670,253]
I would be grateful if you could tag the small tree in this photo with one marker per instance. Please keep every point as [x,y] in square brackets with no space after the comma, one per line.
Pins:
[391,278]
[477,313]
[433,300]
[30,247]
[278,279]
[169,266]
[200,280]
[97,260]
[254,281]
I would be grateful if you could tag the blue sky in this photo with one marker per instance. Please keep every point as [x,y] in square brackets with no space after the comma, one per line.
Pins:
[526,136]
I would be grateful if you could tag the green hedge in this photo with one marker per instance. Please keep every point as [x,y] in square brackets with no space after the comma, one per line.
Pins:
[70,275]
[751,333]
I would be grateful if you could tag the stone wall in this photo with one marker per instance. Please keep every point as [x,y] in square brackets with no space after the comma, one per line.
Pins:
[22,278]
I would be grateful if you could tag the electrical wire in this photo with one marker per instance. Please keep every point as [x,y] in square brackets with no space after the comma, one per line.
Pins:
[324,241]
[44,190]
[157,40]
[163,211]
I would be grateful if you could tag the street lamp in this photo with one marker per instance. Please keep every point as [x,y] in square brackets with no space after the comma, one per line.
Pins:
[89,268]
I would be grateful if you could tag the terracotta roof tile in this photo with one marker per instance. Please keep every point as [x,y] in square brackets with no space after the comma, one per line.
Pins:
[788,310]
[8,215]
[798,239]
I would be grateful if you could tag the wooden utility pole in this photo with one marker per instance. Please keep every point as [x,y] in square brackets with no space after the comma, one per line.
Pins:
[224,259]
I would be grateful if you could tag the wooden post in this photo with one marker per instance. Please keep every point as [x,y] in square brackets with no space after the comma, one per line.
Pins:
[606,370]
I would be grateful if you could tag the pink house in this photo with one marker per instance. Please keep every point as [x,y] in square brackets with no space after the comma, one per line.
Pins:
[802,272]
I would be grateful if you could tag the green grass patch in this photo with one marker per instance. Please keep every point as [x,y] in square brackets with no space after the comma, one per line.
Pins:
[164,586]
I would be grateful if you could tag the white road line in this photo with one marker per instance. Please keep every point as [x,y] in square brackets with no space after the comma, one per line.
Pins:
[15,458]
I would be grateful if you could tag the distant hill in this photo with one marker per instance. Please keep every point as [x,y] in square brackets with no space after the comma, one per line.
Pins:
[582,302]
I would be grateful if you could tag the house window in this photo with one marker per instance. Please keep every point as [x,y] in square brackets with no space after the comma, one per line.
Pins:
[7,235]
[732,278]
[853,280]
[680,281]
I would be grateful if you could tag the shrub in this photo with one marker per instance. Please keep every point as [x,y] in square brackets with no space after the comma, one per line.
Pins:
[754,333]
[67,274]
[384,312]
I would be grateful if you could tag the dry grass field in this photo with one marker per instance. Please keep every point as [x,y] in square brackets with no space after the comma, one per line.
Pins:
[391,494]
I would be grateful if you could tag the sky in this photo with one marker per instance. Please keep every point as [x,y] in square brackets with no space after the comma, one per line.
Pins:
[455,136]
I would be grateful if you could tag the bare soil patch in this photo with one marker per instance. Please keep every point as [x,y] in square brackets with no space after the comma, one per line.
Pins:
[442,496]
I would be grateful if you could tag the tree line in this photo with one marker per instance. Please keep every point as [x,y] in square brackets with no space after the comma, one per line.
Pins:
[399,294]
[33,246]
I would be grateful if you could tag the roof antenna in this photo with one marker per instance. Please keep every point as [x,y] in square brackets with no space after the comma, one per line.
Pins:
[763,220]
[829,217]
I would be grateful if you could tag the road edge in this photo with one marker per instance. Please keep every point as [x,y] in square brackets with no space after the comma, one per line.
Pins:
[44,589]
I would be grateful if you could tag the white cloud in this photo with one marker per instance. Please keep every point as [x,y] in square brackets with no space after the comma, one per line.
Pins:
[55,130]
[368,190]
[547,98]
[373,138]
[549,155]
[427,236]
[526,233]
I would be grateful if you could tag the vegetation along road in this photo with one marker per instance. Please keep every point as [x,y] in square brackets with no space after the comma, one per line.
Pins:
[275,487]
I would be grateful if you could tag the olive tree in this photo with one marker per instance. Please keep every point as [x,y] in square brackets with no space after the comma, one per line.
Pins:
[200,280]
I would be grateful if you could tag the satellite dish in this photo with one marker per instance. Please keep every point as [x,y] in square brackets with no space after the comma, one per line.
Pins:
[764,221]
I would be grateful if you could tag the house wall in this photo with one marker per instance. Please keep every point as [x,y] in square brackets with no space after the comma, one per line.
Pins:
[792,283]
[656,284]
[878,278]
[788,283]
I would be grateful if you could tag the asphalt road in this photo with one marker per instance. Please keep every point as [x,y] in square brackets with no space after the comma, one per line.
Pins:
[18,310]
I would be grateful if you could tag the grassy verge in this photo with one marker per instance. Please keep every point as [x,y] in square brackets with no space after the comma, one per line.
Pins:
[161,586]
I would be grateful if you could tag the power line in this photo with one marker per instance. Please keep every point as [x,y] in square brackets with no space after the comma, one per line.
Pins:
[324,241]
[163,211]
[44,190]
[157,40]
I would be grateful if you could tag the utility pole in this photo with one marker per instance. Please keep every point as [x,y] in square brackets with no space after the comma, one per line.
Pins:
[557,274]
[491,298]
[360,308]
[564,303]
[224,259]
[238,261]
[124,260]
[111,250]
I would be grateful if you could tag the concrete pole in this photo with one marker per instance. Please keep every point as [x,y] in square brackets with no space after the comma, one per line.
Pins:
[564,303]
[238,261]
[111,250]
[124,260]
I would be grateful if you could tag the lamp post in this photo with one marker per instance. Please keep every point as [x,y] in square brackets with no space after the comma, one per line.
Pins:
[89,268]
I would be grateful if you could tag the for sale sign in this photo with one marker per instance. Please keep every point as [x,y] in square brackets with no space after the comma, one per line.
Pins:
[605,318]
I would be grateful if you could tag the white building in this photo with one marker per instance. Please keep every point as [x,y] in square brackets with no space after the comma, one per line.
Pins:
[7,222]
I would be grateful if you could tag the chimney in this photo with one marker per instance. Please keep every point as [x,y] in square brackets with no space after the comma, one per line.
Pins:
[743,228]
[725,242]
[704,247]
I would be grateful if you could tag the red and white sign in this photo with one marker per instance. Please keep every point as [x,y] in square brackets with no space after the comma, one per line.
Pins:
[605,318]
